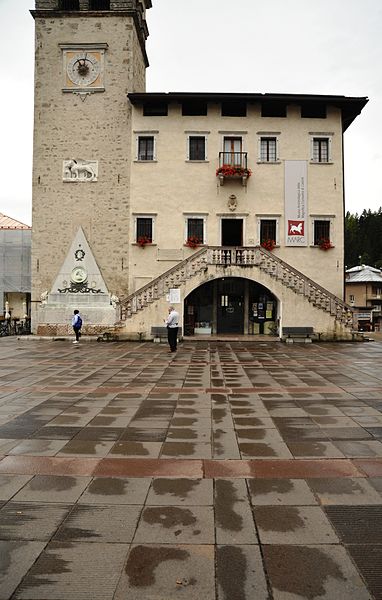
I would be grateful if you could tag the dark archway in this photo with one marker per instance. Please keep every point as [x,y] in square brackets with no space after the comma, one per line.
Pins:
[230,305]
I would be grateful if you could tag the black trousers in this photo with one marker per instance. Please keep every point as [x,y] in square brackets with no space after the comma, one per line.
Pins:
[172,336]
[77,332]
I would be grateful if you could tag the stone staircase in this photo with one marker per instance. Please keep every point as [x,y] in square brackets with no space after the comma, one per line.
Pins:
[254,256]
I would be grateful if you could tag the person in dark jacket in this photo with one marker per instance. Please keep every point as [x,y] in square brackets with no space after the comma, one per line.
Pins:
[77,324]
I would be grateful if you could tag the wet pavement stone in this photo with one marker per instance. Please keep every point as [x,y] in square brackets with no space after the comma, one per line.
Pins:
[229,471]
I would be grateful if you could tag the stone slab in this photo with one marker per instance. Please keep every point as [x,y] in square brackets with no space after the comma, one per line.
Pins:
[155,572]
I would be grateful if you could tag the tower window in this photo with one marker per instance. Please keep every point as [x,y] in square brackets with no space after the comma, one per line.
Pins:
[69,4]
[99,5]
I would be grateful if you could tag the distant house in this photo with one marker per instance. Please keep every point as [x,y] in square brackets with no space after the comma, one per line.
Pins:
[15,268]
[363,288]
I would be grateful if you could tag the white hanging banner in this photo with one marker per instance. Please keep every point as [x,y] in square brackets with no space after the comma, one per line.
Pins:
[296,203]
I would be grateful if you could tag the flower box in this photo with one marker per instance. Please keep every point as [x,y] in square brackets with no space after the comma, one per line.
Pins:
[268,244]
[143,241]
[193,241]
[325,244]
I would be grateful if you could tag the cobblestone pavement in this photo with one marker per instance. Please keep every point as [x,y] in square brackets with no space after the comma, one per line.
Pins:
[227,471]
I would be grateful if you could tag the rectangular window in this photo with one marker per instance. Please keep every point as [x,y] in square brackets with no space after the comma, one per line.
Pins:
[268,230]
[320,152]
[233,155]
[99,5]
[195,229]
[194,108]
[197,147]
[234,109]
[146,147]
[268,149]
[351,298]
[314,110]
[321,231]
[144,230]
[69,5]
[271,108]
[159,109]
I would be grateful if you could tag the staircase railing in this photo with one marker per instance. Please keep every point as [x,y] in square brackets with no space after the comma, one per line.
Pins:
[253,256]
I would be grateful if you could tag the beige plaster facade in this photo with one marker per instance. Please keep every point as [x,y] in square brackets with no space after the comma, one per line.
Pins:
[172,187]
[133,149]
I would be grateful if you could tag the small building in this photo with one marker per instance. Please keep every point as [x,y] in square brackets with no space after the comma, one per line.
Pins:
[15,268]
[363,288]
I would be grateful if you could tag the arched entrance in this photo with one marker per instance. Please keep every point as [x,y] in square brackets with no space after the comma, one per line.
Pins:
[230,305]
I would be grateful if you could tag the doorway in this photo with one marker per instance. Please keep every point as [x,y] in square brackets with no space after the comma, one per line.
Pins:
[232,232]
[230,306]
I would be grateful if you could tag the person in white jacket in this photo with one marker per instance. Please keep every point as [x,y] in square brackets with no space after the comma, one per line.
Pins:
[172,324]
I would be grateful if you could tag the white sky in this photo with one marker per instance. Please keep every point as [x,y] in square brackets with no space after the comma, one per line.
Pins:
[280,46]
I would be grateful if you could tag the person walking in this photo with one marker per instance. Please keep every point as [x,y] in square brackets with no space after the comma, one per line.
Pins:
[172,324]
[77,324]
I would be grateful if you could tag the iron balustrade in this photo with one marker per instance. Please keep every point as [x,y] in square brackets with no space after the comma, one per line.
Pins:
[237,160]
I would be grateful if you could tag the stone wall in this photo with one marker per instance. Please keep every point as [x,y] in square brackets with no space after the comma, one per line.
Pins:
[95,127]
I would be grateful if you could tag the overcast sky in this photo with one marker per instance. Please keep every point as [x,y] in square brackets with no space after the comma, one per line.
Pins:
[280,46]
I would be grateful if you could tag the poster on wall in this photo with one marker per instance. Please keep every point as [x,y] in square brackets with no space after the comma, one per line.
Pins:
[296,203]
[174,296]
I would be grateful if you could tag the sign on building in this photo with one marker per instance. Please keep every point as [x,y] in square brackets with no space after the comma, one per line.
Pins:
[296,203]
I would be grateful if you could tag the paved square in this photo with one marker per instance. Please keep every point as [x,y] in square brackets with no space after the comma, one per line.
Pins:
[226,471]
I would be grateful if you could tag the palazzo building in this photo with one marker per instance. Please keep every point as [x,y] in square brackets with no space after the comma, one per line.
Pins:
[229,206]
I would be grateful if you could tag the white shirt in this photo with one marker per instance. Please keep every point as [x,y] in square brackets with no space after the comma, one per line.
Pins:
[172,319]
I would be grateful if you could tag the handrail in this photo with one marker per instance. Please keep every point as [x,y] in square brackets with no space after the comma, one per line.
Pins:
[164,274]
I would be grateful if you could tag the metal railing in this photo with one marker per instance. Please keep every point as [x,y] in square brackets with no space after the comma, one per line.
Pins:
[237,160]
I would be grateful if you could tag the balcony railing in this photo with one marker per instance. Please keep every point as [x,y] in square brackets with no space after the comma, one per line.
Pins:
[233,165]
[237,160]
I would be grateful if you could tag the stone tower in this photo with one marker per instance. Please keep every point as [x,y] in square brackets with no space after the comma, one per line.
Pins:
[89,55]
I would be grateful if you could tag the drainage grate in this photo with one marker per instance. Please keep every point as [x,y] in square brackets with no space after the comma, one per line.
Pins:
[357,524]
[368,560]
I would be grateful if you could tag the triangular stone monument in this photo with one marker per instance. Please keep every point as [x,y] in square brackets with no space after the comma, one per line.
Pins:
[79,284]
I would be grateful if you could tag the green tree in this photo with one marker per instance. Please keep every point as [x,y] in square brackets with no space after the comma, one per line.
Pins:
[363,238]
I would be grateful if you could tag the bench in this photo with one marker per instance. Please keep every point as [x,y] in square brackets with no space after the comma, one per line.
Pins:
[160,334]
[298,334]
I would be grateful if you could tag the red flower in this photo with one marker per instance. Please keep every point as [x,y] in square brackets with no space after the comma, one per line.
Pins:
[193,241]
[268,244]
[143,241]
[325,244]
[231,171]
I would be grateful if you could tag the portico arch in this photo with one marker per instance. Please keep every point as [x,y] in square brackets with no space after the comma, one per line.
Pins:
[231,305]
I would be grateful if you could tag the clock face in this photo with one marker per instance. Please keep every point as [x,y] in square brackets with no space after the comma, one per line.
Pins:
[83,68]
[79,275]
